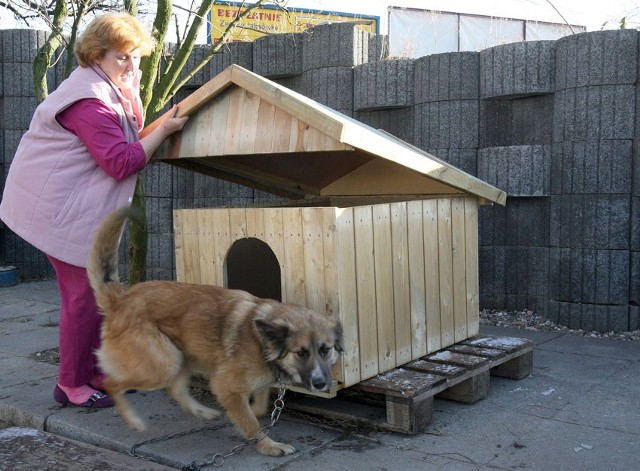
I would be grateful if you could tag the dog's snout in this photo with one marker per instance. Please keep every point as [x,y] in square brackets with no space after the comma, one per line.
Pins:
[319,383]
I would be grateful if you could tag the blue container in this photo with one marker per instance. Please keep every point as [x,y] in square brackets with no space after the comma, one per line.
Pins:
[8,276]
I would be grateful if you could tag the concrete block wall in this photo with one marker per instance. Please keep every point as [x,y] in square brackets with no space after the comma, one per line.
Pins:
[18,50]
[553,123]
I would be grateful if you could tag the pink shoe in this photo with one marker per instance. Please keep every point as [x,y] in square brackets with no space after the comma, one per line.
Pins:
[97,400]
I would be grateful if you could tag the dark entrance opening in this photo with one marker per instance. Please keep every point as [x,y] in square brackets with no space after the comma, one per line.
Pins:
[252,266]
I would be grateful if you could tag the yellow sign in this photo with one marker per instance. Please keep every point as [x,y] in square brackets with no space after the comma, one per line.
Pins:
[273,20]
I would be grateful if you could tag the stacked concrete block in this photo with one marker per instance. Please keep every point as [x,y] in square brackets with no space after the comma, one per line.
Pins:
[514,255]
[446,105]
[591,263]
[278,55]
[518,170]
[397,122]
[516,120]
[517,69]
[202,76]
[519,121]
[240,53]
[378,48]
[328,58]
[383,85]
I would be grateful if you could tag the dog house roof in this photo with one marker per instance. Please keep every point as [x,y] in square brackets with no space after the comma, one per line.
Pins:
[247,129]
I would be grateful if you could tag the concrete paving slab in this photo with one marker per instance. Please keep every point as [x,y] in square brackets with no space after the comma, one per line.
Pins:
[560,446]
[16,342]
[594,347]
[21,308]
[21,370]
[203,445]
[24,449]
[362,454]
[105,428]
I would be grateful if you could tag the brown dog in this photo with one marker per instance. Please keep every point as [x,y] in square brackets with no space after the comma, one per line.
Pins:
[156,334]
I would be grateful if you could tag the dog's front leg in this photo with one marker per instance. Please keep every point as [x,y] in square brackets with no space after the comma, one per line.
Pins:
[240,413]
[260,402]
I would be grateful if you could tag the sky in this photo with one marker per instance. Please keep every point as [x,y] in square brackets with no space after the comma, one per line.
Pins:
[590,13]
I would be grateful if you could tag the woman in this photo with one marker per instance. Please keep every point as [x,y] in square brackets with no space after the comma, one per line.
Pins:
[77,163]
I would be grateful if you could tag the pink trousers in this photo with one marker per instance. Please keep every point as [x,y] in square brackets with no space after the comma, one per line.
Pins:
[79,325]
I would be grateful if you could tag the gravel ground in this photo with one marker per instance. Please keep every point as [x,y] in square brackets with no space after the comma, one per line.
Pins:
[530,321]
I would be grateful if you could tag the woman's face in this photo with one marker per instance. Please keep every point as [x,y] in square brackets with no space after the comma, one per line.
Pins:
[120,66]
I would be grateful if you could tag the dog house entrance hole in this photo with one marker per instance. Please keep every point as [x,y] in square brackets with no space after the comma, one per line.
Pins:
[252,266]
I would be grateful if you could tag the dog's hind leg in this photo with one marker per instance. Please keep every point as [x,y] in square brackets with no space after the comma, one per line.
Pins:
[179,390]
[240,413]
[117,393]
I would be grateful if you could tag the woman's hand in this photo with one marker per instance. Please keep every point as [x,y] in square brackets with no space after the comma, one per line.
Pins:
[153,135]
[171,123]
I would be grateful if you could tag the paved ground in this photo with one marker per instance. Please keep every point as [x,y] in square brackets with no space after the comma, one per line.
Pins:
[577,411]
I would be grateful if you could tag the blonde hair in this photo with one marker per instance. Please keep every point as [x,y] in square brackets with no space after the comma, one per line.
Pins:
[119,31]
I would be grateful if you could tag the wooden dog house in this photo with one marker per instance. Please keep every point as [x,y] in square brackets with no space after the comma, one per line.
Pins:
[385,237]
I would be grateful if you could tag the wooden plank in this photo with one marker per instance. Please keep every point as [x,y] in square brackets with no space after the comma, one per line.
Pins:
[348,299]
[274,237]
[490,353]
[206,246]
[459,359]
[178,243]
[201,133]
[190,247]
[249,123]
[255,222]
[218,128]
[312,231]
[416,259]
[383,273]
[265,128]
[234,119]
[331,282]
[293,256]
[441,369]
[401,382]
[237,223]
[432,275]
[508,344]
[445,268]
[472,268]
[296,136]
[401,282]
[366,290]
[222,233]
[458,251]
[282,123]
[204,135]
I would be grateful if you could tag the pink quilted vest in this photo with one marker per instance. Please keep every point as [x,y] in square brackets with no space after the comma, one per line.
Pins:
[55,194]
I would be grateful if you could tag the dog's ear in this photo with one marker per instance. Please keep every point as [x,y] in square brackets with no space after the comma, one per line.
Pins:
[339,340]
[275,335]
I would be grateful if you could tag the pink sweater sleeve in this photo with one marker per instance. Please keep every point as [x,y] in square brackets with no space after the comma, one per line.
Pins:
[98,127]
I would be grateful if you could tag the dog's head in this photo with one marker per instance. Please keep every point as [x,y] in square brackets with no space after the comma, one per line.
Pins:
[300,343]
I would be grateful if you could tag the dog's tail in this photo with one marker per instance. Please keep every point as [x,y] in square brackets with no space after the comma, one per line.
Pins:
[102,267]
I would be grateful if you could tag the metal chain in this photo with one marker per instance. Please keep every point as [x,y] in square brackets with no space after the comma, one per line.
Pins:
[219,458]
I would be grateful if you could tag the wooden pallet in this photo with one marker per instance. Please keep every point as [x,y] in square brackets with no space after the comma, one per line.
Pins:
[401,400]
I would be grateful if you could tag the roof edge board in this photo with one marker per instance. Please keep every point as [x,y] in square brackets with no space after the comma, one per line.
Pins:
[205,93]
[389,147]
